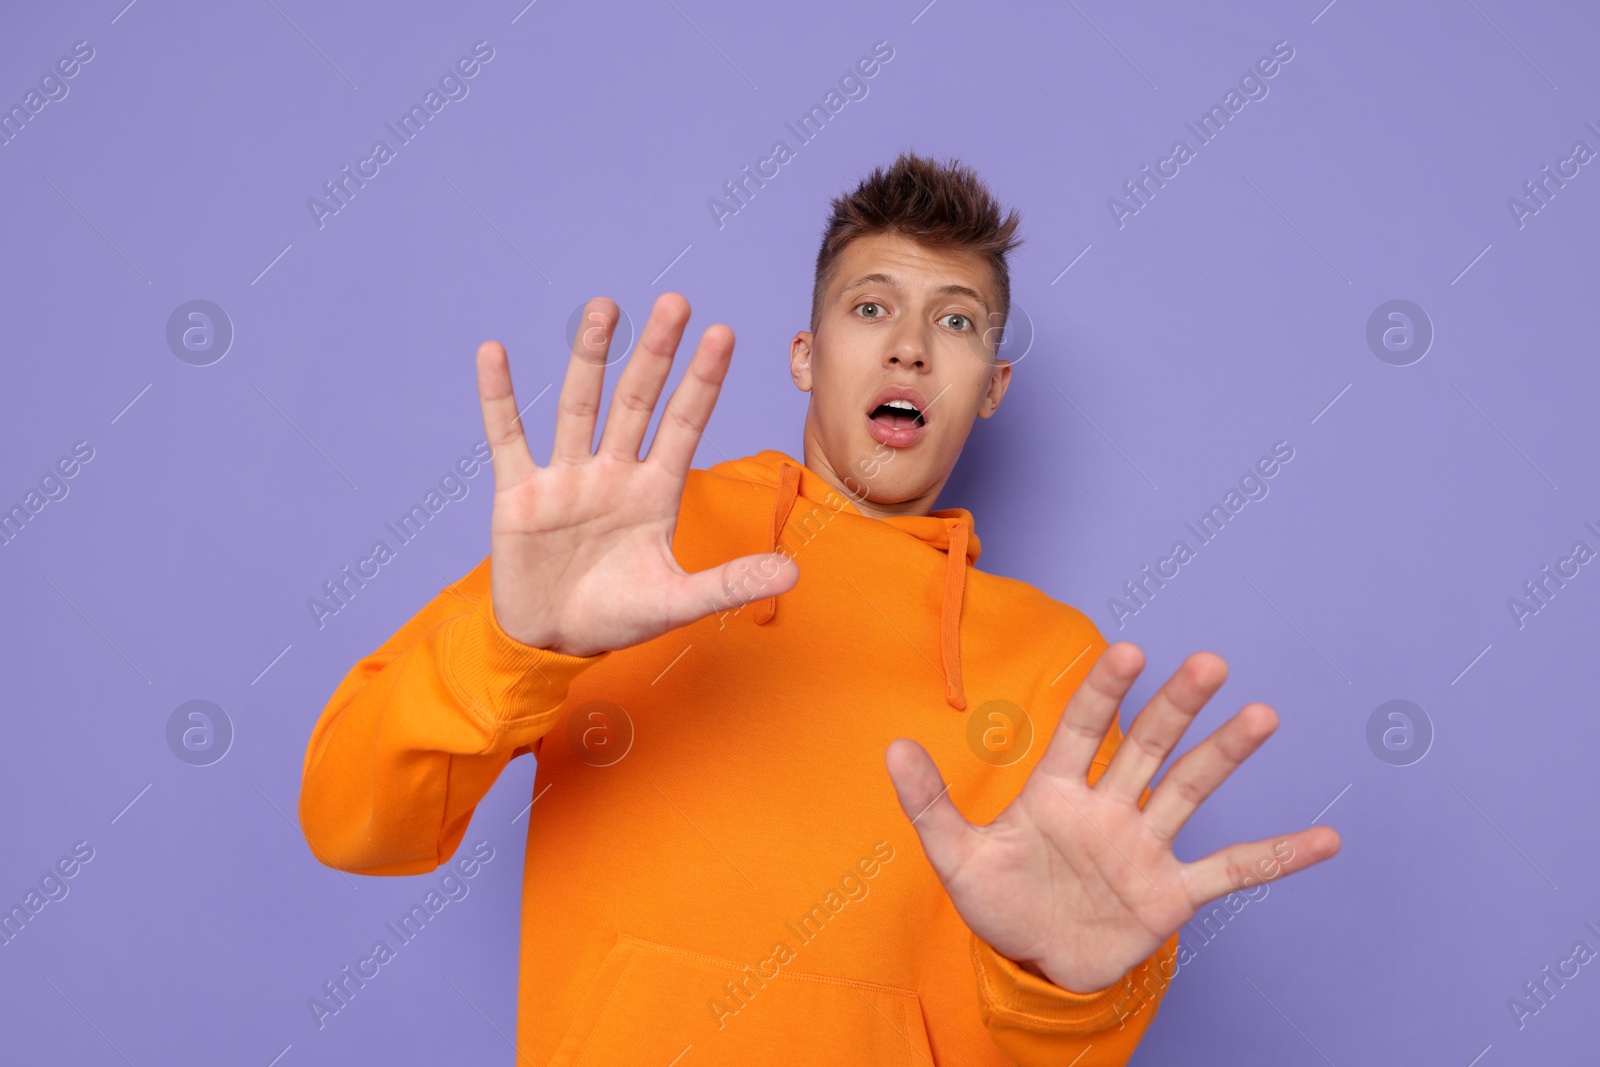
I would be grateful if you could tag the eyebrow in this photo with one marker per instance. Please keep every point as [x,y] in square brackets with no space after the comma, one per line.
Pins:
[950,289]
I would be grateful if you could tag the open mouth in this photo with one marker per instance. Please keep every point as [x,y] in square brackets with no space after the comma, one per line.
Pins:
[898,415]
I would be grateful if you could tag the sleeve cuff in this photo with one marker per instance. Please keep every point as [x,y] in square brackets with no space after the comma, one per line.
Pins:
[1011,998]
[498,677]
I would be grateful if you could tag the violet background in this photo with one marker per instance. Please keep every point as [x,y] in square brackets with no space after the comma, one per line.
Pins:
[1228,314]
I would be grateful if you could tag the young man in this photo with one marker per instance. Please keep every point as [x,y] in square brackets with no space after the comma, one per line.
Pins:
[713,666]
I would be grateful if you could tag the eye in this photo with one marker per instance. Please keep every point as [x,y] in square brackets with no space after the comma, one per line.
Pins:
[870,304]
[962,319]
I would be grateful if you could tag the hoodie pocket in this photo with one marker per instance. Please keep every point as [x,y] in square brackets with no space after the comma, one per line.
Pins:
[657,1004]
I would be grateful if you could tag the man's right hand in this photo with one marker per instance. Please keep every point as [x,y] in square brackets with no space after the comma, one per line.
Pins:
[581,550]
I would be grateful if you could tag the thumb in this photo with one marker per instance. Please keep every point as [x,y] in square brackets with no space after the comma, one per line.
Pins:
[739,582]
[925,798]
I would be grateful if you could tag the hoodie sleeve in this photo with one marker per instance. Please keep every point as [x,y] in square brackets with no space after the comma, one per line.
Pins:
[1036,1023]
[418,730]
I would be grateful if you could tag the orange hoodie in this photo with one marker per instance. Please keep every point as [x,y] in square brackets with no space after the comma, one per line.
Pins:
[718,871]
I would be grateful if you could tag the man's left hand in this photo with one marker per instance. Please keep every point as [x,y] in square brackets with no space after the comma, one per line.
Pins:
[1076,882]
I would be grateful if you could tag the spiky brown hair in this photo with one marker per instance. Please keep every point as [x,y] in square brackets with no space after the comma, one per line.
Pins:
[941,205]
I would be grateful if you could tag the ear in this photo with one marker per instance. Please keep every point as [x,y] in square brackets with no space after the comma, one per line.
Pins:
[999,381]
[800,360]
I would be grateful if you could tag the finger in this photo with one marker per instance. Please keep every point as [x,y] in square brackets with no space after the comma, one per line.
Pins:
[947,837]
[1248,864]
[689,409]
[1156,730]
[642,379]
[579,403]
[732,586]
[1091,711]
[1198,772]
[508,446]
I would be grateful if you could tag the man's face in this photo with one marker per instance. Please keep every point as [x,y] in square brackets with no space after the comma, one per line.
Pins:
[900,322]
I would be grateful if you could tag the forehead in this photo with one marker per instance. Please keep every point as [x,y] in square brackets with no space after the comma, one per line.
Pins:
[893,261]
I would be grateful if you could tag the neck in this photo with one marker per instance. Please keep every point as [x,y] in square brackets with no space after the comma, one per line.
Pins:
[858,489]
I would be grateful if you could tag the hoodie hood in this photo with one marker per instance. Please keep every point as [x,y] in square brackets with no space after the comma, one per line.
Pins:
[950,531]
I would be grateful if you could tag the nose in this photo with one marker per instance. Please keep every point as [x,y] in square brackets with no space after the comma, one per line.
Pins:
[908,348]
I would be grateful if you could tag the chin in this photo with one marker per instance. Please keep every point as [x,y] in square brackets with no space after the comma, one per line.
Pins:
[884,475]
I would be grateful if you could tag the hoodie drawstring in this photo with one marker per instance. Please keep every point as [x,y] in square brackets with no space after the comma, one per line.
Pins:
[955,583]
[788,490]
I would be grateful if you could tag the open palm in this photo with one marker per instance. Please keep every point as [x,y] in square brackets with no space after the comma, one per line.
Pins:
[1075,881]
[581,549]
